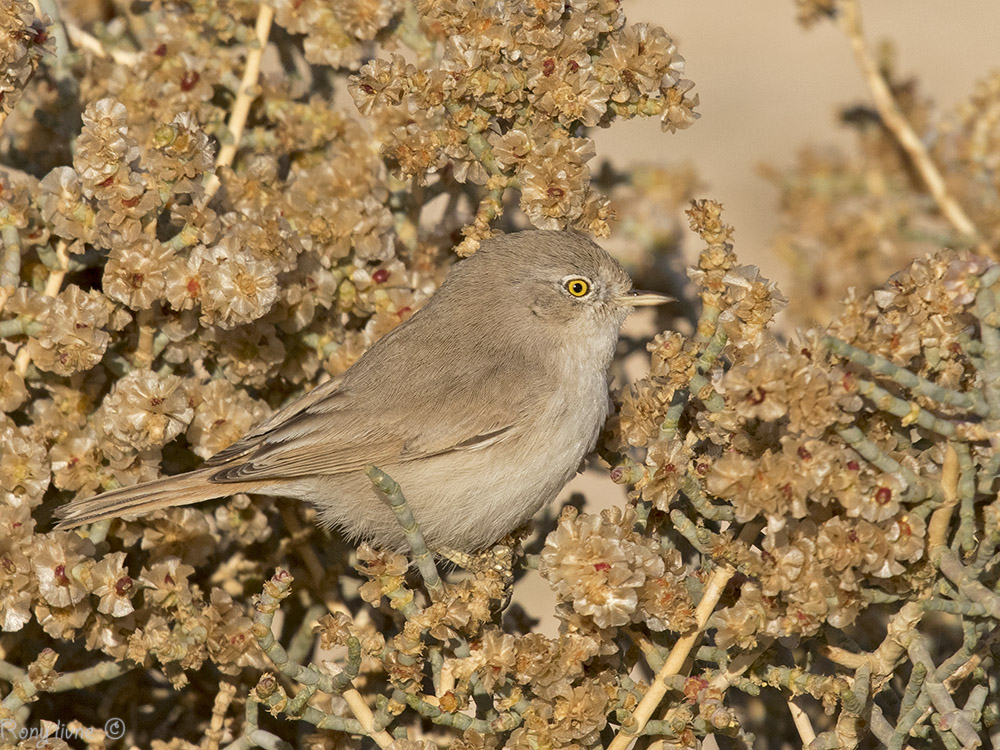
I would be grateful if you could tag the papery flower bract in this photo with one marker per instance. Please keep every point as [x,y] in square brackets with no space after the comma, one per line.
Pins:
[592,562]
[144,409]
[53,563]
[136,275]
[166,583]
[104,146]
[239,288]
[113,585]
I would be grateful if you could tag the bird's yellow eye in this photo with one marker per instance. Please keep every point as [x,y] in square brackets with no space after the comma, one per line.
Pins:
[577,287]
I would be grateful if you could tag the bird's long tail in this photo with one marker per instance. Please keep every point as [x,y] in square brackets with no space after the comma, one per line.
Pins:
[183,489]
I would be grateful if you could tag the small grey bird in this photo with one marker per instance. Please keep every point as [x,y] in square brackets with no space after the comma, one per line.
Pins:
[481,406]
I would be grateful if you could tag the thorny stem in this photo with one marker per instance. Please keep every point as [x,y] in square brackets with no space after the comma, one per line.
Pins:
[244,98]
[894,119]
[679,653]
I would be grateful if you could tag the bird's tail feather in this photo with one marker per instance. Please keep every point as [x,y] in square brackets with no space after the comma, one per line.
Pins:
[169,492]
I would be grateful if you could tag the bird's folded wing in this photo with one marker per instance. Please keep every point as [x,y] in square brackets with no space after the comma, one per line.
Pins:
[320,441]
[322,395]
[379,413]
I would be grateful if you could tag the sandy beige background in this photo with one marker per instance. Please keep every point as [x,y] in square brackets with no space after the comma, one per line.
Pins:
[768,87]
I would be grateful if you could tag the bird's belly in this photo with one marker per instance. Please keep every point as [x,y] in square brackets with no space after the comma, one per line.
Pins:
[493,492]
[471,499]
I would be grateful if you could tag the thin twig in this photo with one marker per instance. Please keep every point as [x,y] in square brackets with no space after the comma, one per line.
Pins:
[679,653]
[84,40]
[276,590]
[147,329]
[899,126]
[89,676]
[298,541]
[223,699]
[244,98]
[365,717]
[10,262]
[983,648]
[937,529]
[802,723]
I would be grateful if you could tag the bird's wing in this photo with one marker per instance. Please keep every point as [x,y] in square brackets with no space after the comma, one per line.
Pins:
[338,432]
[379,412]
[329,393]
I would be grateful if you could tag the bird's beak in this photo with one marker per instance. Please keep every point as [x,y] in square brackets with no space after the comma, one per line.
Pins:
[639,298]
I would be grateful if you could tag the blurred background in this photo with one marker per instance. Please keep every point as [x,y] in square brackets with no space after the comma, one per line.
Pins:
[769,87]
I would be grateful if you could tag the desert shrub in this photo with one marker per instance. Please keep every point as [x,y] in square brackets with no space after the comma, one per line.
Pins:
[207,208]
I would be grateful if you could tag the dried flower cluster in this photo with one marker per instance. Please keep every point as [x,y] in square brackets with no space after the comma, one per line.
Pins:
[853,219]
[575,63]
[864,454]
[24,40]
[171,271]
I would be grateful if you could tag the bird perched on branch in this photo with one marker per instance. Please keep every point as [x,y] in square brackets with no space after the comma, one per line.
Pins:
[481,406]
